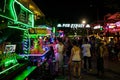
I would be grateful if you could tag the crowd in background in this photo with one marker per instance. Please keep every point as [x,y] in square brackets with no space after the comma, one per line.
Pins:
[81,53]
[66,52]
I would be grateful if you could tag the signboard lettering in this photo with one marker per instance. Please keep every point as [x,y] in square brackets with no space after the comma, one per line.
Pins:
[74,25]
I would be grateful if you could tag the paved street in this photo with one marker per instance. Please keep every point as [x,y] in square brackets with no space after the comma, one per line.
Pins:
[112,72]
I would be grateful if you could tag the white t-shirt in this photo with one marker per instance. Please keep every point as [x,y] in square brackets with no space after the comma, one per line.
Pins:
[86,50]
[59,48]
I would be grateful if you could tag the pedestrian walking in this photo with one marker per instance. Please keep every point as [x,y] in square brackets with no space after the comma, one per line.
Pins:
[100,58]
[75,60]
[59,55]
[86,55]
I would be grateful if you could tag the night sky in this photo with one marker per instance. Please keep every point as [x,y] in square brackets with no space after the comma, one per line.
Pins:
[74,11]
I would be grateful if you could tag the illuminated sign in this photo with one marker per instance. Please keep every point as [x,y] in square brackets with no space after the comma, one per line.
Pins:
[10,48]
[111,25]
[38,31]
[41,30]
[97,27]
[117,24]
[74,25]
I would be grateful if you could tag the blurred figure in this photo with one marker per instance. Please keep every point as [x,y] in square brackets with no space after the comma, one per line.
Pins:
[68,47]
[59,54]
[50,54]
[75,60]
[51,60]
[86,55]
[111,48]
[100,58]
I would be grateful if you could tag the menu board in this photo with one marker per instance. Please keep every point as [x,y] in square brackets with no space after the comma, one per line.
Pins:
[6,8]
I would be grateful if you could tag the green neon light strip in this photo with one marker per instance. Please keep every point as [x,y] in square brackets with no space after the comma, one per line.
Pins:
[25,10]
[17,27]
[23,6]
[9,68]
[23,24]
[4,4]
[26,33]
[12,10]
[7,17]
[32,20]
[53,29]
[29,40]
[25,73]
[15,15]
[16,21]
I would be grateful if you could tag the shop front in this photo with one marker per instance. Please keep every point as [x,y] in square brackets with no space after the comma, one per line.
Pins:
[112,27]
[16,19]
[39,43]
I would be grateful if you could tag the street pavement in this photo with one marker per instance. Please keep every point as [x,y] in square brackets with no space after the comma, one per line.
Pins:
[112,72]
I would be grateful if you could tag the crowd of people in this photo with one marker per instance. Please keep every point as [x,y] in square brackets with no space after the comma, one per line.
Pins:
[78,54]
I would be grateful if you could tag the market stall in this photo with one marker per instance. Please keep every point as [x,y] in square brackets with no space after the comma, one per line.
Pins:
[112,26]
[16,19]
[39,44]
